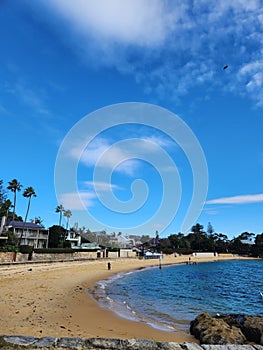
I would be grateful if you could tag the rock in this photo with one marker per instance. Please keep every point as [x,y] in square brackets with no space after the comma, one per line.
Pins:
[46,342]
[253,329]
[70,343]
[191,346]
[20,340]
[251,326]
[120,344]
[210,330]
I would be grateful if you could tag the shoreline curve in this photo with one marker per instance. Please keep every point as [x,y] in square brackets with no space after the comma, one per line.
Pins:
[49,299]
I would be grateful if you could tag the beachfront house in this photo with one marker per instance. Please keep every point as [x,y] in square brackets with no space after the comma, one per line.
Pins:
[74,238]
[30,233]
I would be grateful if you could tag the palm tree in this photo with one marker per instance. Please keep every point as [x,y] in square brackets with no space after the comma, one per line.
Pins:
[60,209]
[29,192]
[15,187]
[67,214]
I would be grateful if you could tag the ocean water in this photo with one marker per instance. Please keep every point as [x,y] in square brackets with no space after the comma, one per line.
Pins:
[175,295]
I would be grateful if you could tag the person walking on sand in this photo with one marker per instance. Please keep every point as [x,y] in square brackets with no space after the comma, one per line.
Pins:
[109,265]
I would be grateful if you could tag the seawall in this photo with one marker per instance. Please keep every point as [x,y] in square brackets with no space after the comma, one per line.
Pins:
[20,342]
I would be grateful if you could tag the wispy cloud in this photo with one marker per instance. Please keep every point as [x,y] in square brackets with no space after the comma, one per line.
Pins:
[77,200]
[114,160]
[182,44]
[121,156]
[102,186]
[86,197]
[32,97]
[243,199]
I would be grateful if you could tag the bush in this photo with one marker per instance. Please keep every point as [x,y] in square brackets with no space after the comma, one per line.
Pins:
[54,250]
[26,249]
[9,248]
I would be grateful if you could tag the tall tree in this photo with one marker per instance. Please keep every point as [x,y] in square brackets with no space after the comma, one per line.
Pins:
[60,209]
[29,192]
[67,214]
[210,230]
[56,236]
[14,186]
[5,207]
[2,193]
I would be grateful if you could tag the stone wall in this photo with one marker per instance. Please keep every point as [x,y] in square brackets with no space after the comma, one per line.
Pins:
[6,257]
[9,257]
[27,342]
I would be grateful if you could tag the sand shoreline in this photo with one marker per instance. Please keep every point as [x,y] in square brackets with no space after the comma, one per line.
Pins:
[51,300]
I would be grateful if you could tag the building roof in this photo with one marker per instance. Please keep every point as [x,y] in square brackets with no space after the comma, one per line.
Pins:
[25,225]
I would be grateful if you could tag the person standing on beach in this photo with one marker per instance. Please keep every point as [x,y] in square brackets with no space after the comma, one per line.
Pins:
[109,265]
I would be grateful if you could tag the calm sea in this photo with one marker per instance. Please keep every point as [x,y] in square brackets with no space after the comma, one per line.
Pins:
[175,295]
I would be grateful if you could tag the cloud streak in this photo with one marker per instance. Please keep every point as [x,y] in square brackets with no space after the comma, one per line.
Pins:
[243,199]
[85,199]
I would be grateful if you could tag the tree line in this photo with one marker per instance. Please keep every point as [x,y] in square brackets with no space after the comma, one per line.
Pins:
[196,240]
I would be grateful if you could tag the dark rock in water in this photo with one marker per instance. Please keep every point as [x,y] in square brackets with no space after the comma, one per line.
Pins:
[212,330]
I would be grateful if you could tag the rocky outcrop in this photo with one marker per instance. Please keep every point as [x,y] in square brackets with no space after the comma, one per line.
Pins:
[251,326]
[227,329]
[210,330]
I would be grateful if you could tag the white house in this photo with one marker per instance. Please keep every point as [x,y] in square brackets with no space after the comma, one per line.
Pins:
[74,238]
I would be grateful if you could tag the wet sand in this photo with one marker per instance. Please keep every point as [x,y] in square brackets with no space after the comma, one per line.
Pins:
[51,300]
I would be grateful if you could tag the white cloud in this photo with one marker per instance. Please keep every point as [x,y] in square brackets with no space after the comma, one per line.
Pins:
[139,22]
[121,157]
[102,186]
[163,142]
[243,199]
[95,150]
[169,46]
[77,201]
[85,199]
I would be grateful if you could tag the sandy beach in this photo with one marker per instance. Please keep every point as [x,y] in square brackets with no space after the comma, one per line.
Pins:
[51,300]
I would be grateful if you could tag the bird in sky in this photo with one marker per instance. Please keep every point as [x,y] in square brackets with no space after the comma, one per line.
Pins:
[225,67]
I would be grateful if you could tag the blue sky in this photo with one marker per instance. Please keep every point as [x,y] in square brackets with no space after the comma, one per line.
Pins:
[66,62]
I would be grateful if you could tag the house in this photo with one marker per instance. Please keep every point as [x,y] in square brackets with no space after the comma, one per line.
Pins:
[74,238]
[125,242]
[30,233]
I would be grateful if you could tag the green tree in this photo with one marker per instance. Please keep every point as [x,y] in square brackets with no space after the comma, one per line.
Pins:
[60,209]
[2,193]
[38,220]
[14,186]
[5,207]
[210,230]
[56,236]
[198,232]
[29,192]
[257,248]
[67,214]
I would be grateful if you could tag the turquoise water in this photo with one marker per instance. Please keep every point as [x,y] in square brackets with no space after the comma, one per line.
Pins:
[175,295]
